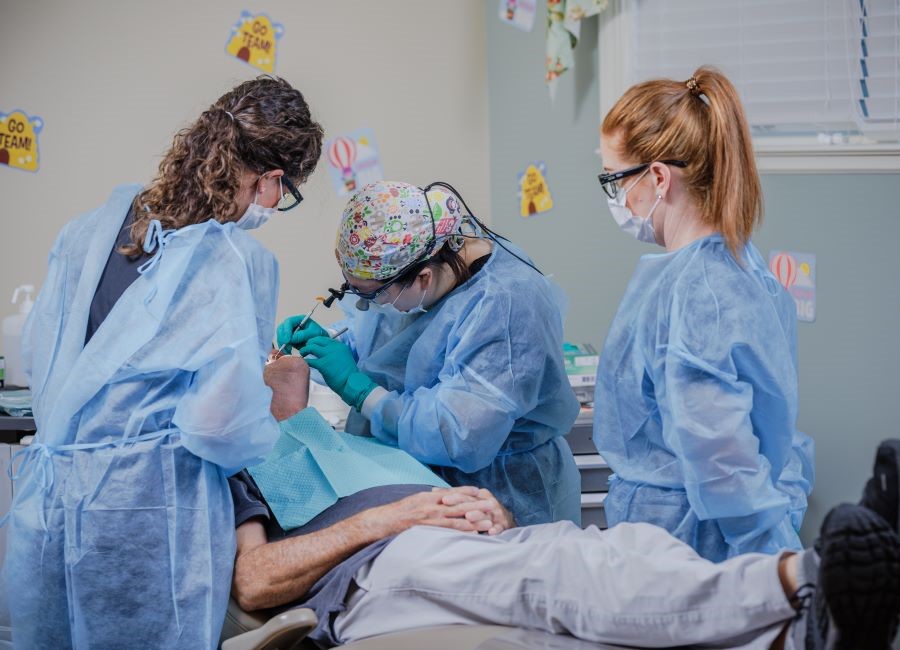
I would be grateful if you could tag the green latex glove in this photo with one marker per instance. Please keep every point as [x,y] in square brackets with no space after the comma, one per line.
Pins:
[288,338]
[338,367]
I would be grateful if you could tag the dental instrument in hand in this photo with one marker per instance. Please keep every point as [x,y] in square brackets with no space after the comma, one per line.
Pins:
[339,332]
[274,354]
[319,301]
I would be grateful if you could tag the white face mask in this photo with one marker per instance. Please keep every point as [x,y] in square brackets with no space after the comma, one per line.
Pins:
[641,228]
[391,307]
[256,215]
[420,309]
[388,308]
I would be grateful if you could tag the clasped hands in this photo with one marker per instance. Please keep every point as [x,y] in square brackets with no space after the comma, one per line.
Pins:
[467,508]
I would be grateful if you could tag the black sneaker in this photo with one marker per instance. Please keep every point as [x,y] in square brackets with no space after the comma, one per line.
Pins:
[853,603]
[882,491]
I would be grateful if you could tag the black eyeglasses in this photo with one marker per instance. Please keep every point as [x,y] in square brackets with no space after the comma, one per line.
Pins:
[291,199]
[610,181]
[368,295]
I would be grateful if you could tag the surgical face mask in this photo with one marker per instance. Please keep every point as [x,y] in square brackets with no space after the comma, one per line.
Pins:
[420,309]
[641,228]
[391,307]
[256,215]
[387,308]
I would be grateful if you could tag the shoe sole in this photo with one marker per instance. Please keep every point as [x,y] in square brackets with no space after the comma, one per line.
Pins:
[882,490]
[859,576]
[895,446]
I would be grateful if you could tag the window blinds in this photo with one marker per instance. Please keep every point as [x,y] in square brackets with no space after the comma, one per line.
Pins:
[801,66]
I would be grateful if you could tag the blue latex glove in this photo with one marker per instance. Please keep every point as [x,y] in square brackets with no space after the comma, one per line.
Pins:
[288,336]
[334,360]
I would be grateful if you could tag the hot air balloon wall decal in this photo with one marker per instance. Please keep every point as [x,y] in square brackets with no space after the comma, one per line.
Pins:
[797,273]
[784,267]
[353,161]
[342,155]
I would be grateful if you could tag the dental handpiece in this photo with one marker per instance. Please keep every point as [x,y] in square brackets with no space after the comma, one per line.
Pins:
[339,332]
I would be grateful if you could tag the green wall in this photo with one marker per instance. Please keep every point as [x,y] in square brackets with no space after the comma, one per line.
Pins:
[849,357]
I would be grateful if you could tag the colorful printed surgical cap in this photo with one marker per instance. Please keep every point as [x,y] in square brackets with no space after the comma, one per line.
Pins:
[385,228]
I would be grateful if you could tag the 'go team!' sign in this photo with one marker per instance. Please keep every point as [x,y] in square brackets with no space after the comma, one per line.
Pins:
[18,140]
[253,39]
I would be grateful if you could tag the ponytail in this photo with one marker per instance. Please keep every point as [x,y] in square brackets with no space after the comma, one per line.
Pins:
[735,195]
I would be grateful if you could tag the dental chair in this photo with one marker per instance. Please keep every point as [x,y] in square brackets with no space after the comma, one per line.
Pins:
[288,631]
[262,631]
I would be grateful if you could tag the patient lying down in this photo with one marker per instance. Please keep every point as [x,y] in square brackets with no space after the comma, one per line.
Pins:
[394,556]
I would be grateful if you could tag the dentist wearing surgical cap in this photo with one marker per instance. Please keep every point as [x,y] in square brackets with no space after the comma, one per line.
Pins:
[696,399]
[454,348]
[147,346]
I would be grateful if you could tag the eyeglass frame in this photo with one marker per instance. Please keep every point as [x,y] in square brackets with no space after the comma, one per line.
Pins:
[611,179]
[346,287]
[293,192]
[426,252]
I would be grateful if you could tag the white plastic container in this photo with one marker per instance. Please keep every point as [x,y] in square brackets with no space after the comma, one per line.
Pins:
[329,405]
[12,336]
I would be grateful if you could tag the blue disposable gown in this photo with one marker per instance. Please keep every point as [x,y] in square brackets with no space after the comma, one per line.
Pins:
[121,532]
[477,387]
[696,403]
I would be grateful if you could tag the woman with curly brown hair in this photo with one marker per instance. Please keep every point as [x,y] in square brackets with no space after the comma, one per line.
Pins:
[146,348]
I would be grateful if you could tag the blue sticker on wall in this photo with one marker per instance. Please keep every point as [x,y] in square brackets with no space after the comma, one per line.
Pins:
[518,13]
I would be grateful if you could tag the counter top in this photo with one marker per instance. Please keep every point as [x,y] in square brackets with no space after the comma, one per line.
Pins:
[10,423]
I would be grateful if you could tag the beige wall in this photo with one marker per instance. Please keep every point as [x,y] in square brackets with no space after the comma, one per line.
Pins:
[114,80]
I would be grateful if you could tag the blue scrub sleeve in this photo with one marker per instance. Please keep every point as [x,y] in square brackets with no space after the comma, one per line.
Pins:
[224,417]
[463,420]
[798,476]
[705,414]
[35,355]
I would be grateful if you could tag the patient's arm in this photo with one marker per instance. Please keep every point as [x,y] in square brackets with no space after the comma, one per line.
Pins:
[269,574]
[288,377]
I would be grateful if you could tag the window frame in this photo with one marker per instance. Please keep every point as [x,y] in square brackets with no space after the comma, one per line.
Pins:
[774,154]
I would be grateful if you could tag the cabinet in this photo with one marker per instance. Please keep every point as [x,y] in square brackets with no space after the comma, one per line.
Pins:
[593,468]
